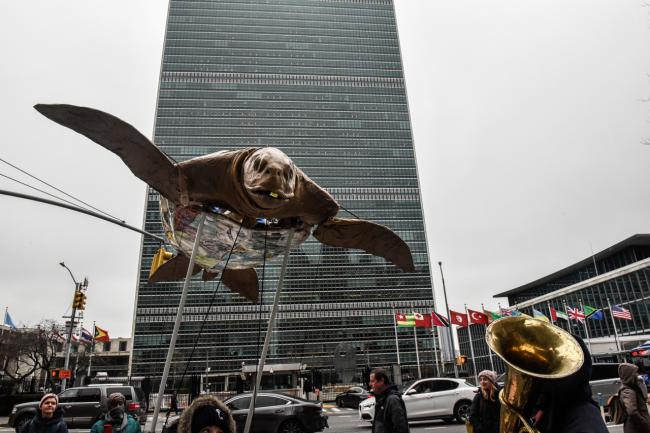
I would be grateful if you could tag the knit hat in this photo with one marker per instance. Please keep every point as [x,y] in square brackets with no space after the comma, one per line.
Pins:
[489,374]
[46,396]
[115,399]
[209,415]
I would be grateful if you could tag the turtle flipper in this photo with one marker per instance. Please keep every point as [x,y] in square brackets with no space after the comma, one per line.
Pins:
[142,157]
[369,237]
[242,281]
[173,270]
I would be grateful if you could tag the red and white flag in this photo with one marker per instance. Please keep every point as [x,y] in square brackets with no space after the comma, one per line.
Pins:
[477,317]
[439,320]
[457,318]
[576,314]
[422,320]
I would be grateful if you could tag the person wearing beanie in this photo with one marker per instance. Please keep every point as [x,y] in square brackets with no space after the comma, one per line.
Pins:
[48,419]
[206,415]
[486,406]
[116,417]
[637,419]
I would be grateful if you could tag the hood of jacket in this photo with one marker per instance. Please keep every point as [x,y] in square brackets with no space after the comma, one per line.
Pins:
[628,374]
[185,421]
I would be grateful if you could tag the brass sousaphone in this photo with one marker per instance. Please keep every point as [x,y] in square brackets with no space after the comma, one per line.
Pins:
[533,350]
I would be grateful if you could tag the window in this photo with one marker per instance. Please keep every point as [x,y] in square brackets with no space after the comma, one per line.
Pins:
[89,394]
[422,387]
[267,400]
[124,390]
[68,395]
[240,403]
[107,346]
[443,385]
[122,346]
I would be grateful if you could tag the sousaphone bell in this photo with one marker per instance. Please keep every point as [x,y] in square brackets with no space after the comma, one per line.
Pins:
[533,350]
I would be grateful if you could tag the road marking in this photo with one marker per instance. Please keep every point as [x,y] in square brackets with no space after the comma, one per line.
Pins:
[434,428]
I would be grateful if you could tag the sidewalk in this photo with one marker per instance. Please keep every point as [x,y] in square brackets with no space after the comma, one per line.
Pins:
[3,421]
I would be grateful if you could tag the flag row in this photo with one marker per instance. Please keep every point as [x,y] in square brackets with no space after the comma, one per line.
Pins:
[420,320]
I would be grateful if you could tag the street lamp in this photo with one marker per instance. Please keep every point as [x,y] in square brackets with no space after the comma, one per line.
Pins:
[77,287]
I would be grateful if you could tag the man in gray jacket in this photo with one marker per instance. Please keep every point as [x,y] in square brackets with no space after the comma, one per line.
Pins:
[390,412]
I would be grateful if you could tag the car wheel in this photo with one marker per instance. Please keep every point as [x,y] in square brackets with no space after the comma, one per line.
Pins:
[462,409]
[339,402]
[291,426]
[20,422]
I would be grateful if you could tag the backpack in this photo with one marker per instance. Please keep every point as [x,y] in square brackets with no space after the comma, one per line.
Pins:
[615,409]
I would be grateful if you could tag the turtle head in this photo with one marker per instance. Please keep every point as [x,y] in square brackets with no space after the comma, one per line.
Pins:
[269,177]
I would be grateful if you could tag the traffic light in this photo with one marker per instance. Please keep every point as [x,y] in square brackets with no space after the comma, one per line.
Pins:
[55,374]
[79,300]
[159,259]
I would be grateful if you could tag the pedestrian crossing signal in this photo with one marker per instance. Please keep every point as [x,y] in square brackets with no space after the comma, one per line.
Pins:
[159,259]
[461,359]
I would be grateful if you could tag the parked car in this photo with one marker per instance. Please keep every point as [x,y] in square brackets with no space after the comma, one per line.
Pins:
[82,406]
[352,397]
[433,398]
[278,413]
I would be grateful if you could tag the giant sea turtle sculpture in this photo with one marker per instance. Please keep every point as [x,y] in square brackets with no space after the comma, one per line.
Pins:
[238,191]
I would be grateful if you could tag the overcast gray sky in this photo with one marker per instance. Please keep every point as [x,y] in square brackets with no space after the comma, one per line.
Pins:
[528,119]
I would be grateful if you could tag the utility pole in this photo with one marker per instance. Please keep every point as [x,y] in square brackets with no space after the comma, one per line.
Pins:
[77,301]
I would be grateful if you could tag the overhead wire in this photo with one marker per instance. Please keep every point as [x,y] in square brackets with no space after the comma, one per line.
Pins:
[57,189]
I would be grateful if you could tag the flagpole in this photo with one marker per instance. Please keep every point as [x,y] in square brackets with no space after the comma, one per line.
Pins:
[471,346]
[417,352]
[489,350]
[177,325]
[435,349]
[451,329]
[618,345]
[92,350]
[550,312]
[582,307]
[396,341]
[566,311]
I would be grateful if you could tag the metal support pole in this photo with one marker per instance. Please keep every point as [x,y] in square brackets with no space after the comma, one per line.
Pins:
[64,383]
[92,350]
[435,346]
[177,325]
[618,345]
[582,307]
[451,330]
[417,352]
[269,331]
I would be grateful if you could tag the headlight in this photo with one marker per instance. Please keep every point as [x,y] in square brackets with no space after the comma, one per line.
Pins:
[14,410]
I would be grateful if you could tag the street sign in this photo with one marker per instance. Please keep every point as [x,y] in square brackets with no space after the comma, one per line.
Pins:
[65,374]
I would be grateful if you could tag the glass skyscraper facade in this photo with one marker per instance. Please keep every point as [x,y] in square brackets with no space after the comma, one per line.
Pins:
[321,80]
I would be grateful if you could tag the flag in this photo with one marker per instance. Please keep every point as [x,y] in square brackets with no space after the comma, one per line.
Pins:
[539,315]
[505,312]
[8,322]
[101,334]
[405,320]
[593,313]
[515,313]
[439,320]
[621,313]
[459,319]
[478,317]
[58,337]
[561,315]
[576,314]
[492,316]
[422,320]
[86,336]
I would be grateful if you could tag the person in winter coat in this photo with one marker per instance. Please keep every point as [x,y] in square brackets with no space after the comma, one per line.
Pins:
[116,417]
[486,406]
[48,419]
[390,411]
[566,405]
[206,415]
[637,419]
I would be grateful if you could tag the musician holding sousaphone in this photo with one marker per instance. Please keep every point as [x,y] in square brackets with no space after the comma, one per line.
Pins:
[547,384]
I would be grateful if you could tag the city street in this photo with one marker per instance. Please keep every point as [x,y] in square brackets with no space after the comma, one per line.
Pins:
[340,421]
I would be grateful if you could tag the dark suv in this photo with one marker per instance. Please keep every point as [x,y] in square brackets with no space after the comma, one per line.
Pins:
[83,406]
